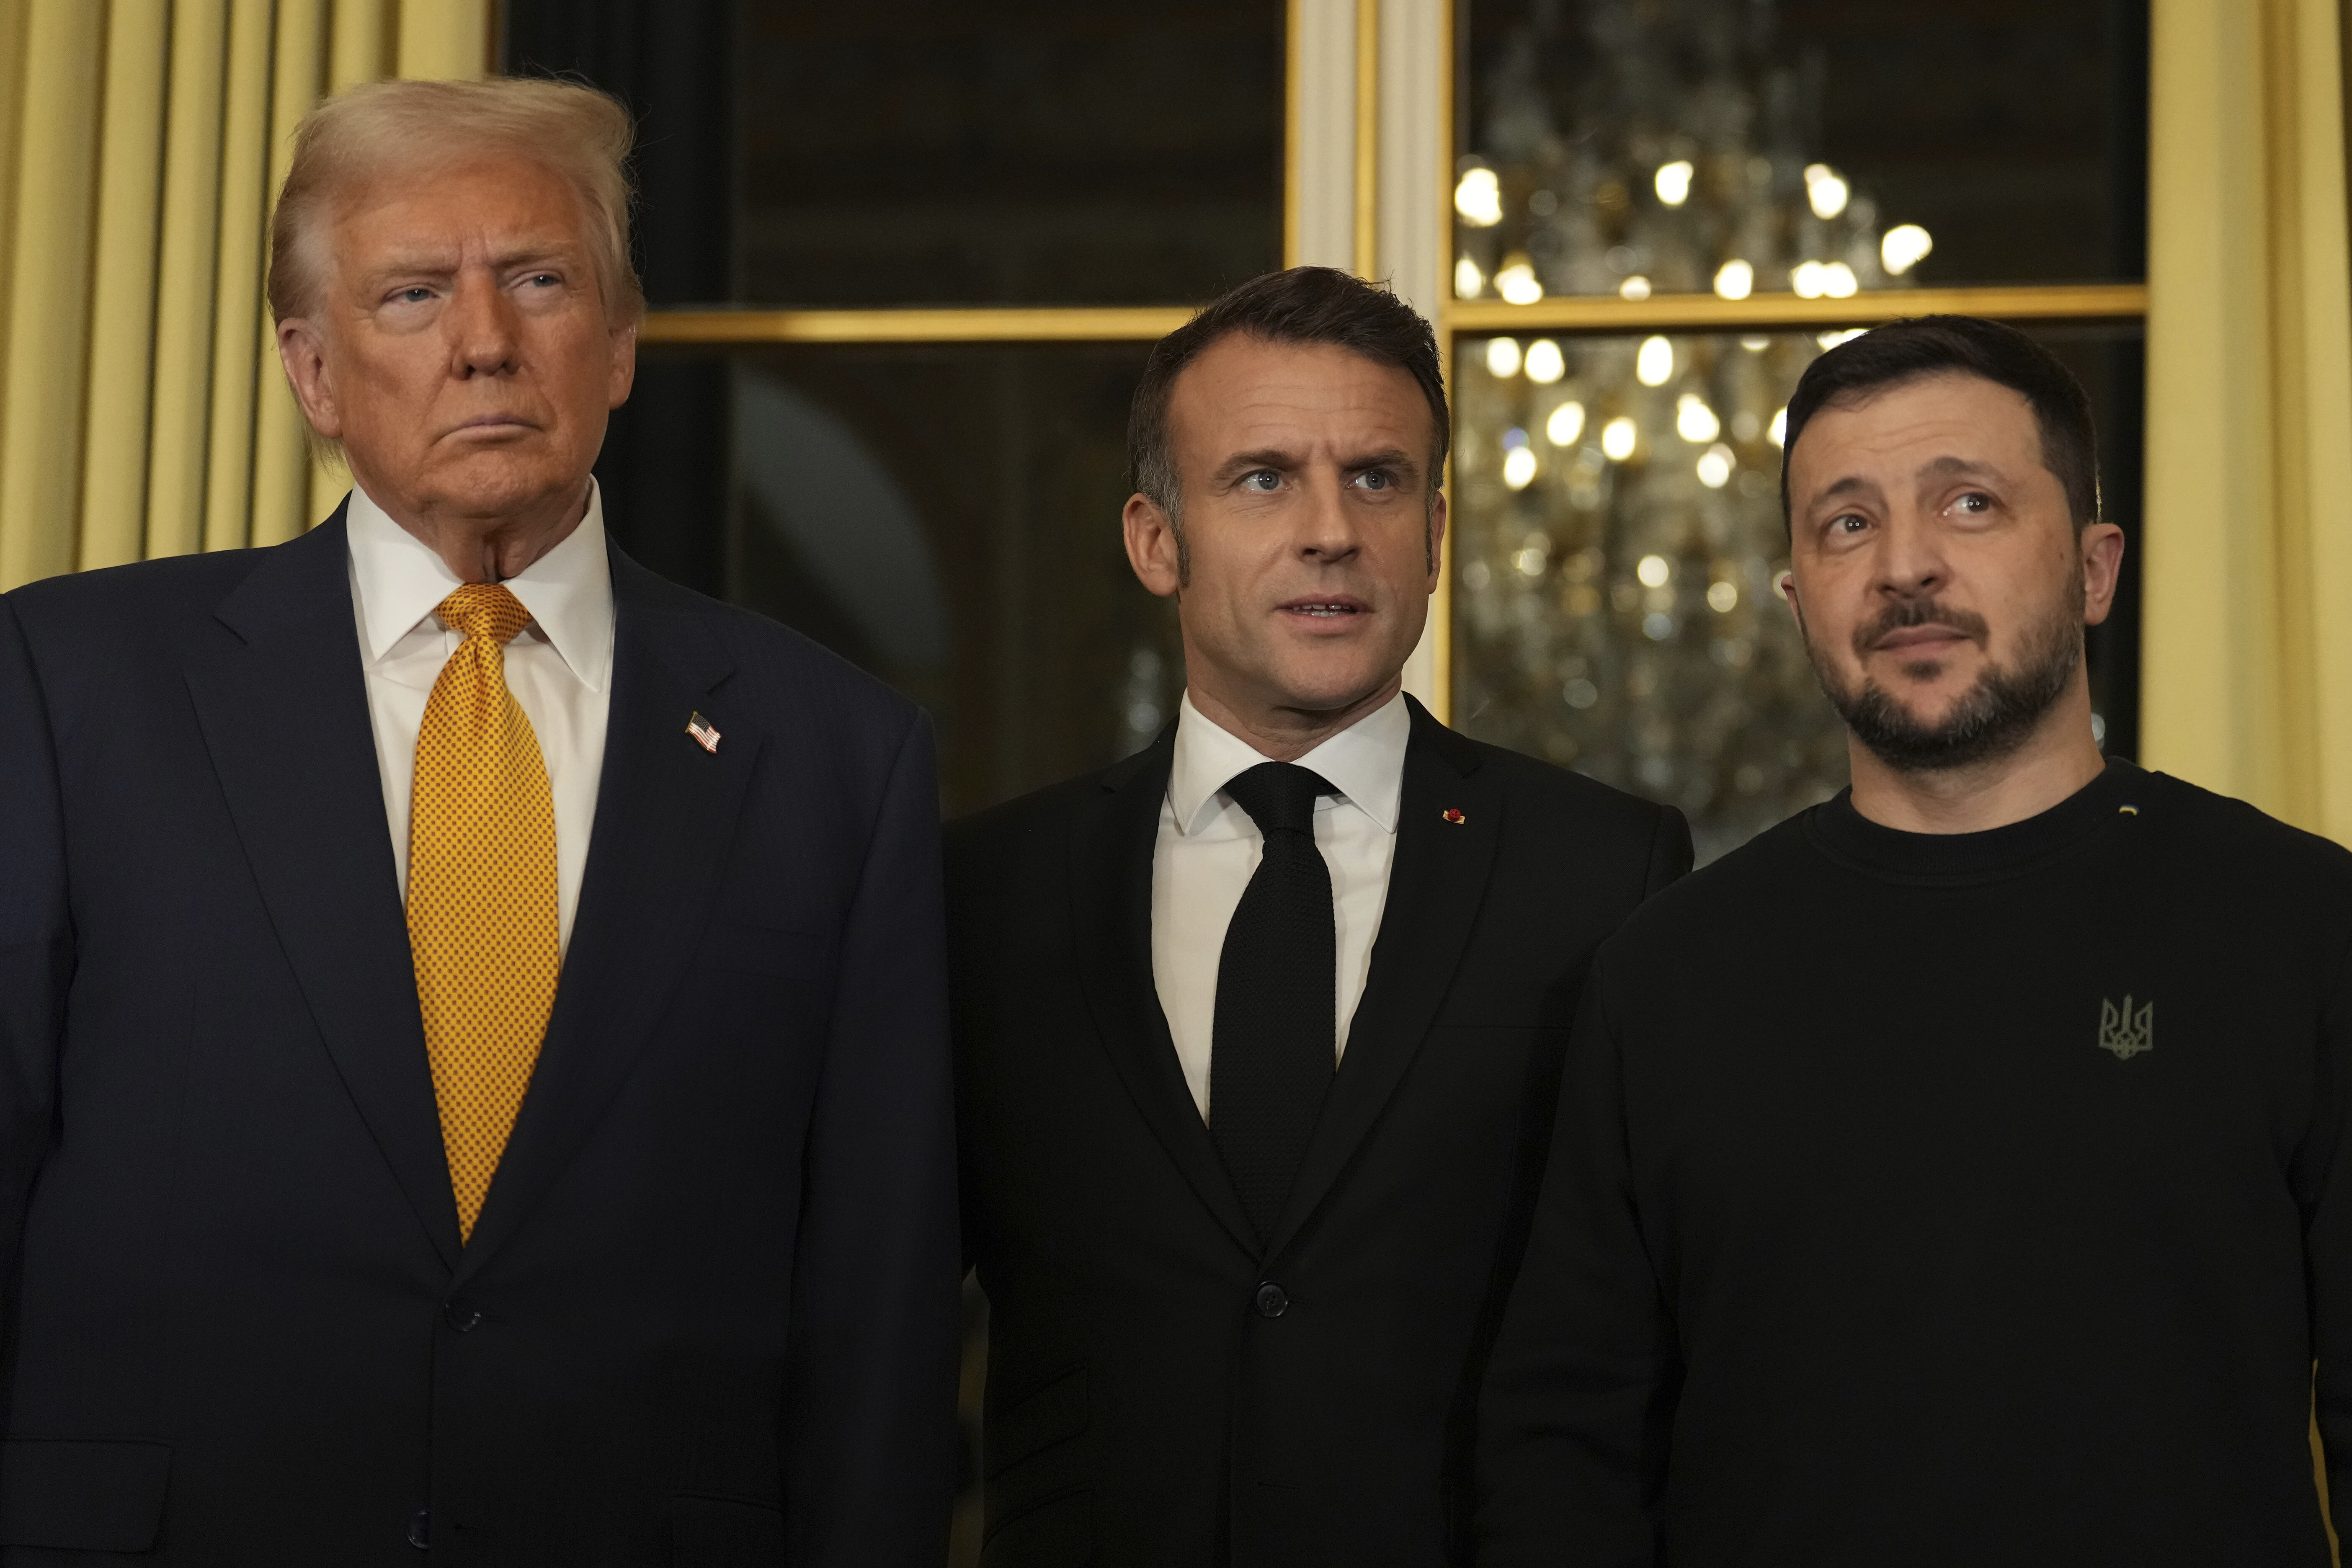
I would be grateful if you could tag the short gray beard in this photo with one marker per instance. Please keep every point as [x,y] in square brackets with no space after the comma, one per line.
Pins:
[1996,716]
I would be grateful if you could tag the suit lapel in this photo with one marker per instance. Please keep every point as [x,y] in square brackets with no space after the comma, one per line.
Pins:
[1111,846]
[666,814]
[284,719]
[1435,885]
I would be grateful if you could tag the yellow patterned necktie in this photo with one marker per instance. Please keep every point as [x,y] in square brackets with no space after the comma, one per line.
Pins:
[482,916]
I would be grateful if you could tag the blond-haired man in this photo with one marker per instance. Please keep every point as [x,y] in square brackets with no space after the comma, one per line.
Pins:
[472,1051]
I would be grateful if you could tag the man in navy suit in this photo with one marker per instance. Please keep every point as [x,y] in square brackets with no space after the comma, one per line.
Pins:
[473,1063]
[1259,1030]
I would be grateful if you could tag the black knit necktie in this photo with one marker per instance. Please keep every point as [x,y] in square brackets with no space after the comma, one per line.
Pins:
[1275,1043]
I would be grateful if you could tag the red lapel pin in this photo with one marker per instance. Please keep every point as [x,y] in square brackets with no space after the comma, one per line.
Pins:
[1453,814]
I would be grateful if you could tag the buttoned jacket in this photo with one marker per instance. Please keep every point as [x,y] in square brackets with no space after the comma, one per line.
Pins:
[1163,1391]
[707,1316]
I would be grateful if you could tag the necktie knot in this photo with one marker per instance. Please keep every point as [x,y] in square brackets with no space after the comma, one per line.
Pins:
[1280,796]
[488,610]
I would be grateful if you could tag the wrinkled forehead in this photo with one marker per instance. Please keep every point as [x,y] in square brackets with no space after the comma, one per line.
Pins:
[1248,391]
[501,192]
[1937,421]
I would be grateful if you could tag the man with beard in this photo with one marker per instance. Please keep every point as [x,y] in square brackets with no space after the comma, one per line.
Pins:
[1952,1175]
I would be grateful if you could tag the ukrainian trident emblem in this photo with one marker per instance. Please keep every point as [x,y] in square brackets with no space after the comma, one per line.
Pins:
[2125,1031]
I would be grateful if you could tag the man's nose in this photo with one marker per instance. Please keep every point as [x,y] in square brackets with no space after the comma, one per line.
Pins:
[481,329]
[1328,530]
[1911,562]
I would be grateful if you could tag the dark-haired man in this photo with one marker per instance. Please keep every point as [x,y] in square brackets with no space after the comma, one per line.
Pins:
[1953,1175]
[1259,1029]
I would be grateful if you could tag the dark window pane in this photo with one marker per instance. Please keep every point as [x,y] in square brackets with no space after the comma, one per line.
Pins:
[1620,148]
[931,152]
[1617,539]
[946,517]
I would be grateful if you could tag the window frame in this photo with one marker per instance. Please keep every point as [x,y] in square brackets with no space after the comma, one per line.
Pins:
[1368,166]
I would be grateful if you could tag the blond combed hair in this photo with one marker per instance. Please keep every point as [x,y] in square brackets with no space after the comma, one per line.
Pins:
[385,127]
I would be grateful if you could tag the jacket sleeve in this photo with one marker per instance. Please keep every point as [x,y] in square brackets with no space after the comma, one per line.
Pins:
[36,946]
[1579,1397]
[868,1429]
[2324,1174]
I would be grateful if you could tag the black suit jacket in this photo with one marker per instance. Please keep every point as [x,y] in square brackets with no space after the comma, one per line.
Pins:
[1159,1390]
[708,1315]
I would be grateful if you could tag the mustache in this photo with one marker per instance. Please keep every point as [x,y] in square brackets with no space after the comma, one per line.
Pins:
[1908,613]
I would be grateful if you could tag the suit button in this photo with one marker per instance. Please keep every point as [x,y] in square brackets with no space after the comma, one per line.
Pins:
[1271,1301]
[420,1530]
[460,1314]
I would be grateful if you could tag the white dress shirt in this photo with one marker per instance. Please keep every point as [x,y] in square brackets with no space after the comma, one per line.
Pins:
[1209,847]
[560,668]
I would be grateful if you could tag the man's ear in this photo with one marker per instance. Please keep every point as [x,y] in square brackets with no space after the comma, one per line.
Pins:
[1152,547]
[624,366]
[1785,585]
[304,356]
[2102,545]
[1436,535]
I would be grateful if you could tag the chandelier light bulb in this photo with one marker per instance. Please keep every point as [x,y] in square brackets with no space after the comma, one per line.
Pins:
[1501,358]
[1469,281]
[1673,182]
[1825,190]
[1518,467]
[1478,197]
[1617,438]
[1904,246]
[1715,466]
[1566,424]
[1545,362]
[1514,280]
[1654,363]
[1734,279]
[1694,421]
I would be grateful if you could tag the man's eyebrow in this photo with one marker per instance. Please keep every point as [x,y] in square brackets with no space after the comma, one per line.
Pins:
[1942,466]
[1852,485]
[442,263]
[528,255]
[1387,458]
[434,264]
[1264,457]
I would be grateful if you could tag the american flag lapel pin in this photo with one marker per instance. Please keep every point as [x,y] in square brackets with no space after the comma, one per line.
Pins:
[704,732]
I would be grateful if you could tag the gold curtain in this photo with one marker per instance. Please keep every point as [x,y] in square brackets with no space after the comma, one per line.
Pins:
[2247,647]
[143,412]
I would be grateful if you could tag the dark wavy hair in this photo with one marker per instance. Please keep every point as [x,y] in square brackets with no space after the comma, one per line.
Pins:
[1302,305]
[1906,350]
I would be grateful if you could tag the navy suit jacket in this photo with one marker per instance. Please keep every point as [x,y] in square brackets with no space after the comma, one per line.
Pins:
[709,1314]
[1164,1391]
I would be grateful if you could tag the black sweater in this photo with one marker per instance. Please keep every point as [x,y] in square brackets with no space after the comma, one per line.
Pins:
[1970,1199]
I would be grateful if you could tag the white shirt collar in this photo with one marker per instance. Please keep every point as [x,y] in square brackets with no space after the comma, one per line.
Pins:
[1365,762]
[398,580]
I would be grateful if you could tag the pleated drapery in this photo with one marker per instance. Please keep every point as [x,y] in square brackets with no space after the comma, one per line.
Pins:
[143,412]
[2247,639]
